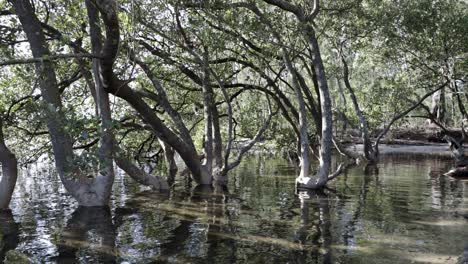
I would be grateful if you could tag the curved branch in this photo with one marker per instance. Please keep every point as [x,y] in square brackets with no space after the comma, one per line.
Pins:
[404,113]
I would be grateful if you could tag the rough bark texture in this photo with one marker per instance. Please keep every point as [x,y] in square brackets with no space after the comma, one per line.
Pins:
[9,172]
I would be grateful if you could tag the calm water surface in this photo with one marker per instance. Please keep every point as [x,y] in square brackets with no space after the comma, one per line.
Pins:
[401,211]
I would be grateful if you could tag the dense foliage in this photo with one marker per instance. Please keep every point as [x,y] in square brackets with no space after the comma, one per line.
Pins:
[216,76]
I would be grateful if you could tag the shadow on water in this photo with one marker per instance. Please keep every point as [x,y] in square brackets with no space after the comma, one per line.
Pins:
[9,233]
[89,234]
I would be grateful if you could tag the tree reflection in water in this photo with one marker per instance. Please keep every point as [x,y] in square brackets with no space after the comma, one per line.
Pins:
[89,236]
[9,233]
[386,214]
[317,228]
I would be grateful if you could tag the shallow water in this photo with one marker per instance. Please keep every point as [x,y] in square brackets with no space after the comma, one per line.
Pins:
[401,211]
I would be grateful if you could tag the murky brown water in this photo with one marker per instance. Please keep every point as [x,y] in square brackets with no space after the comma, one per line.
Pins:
[401,211]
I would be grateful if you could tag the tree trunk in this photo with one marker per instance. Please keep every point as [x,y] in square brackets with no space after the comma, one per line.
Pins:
[208,116]
[188,154]
[217,140]
[140,176]
[106,149]
[304,137]
[88,192]
[369,152]
[438,106]
[326,140]
[9,172]
[9,231]
[171,165]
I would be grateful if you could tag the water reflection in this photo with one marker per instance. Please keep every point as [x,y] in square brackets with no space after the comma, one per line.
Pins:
[317,228]
[9,233]
[400,211]
[89,236]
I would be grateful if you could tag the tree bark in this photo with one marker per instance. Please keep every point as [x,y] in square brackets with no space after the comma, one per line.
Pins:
[9,172]
[140,176]
[188,154]
[88,192]
[208,115]
[171,165]
[326,140]
[369,152]
[102,70]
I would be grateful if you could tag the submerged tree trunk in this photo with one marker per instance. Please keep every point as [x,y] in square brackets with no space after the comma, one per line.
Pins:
[9,172]
[304,180]
[304,138]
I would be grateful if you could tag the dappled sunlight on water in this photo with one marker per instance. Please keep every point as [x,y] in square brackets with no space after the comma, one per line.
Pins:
[400,211]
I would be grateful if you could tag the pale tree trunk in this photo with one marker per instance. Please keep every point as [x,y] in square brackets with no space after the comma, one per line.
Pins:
[217,140]
[369,152]
[438,106]
[326,140]
[171,166]
[88,192]
[303,138]
[208,115]
[9,172]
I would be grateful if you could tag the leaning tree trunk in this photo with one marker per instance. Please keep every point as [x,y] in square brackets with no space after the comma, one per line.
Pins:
[9,172]
[88,192]
[369,152]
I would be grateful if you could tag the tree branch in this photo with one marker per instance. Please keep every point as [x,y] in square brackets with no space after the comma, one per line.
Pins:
[49,58]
